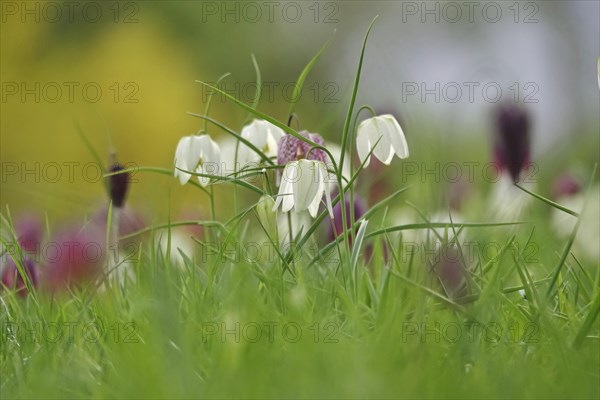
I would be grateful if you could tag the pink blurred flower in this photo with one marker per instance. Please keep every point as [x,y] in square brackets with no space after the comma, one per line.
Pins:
[451,272]
[12,279]
[565,185]
[74,257]
[30,231]
[130,221]
[335,228]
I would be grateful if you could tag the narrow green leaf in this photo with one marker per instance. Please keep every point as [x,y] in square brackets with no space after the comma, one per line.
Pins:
[92,151]
[360,236]
[300,82]
[353,98]
[548,201]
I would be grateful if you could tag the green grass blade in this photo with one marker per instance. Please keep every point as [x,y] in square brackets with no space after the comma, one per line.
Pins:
[261,115]
[590,318]
[156,170]
[92,151]
[262,155]
[548,201]
[353,98]
[300,82]
[439,225]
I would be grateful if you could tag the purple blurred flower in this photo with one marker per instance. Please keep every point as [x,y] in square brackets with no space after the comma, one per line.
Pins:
[512,140]
[565,185]
[130,221]
[451,272]
[458,193]
[29,230]
[74,256]
[12,279]
[338,227]
[118,185]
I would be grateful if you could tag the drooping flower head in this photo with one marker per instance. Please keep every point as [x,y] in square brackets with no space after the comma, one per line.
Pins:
[512,140]
[292,148]
[305,177]
[197,153]
[12,279]
[303,184]
[384,134]
[118,185]
[262,134]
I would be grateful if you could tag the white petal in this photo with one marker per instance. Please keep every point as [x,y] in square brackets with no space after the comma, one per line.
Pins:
[259,134]
[245,153]
[313,208]
[336,152]
[194,151]
[306,186]
[186,158]
[252,133]
[204,181]
[286,188]
[274,135]
[396,136]
[210,155]
[363,146]
[379,137]
[327,192]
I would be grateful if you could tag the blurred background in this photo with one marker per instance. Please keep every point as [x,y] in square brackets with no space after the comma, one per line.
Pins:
[125,73]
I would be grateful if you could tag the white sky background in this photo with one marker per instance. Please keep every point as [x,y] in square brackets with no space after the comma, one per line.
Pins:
[558,54]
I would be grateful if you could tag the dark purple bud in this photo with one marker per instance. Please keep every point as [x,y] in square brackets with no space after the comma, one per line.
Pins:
[29,230]
[565,185]
[12,279]
[451,272]
[118,185]
[512,140]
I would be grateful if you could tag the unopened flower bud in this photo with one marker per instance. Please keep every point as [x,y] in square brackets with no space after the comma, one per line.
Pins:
[512,141]
[118,185]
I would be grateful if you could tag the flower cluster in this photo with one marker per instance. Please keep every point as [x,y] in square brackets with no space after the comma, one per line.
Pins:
[74,255]
[304,179]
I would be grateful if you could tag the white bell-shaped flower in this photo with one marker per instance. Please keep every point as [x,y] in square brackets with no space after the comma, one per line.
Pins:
[302,187]
[262,134]
[197,153]
[386,130]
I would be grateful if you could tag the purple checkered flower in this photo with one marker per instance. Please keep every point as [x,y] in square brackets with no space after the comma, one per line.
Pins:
[292,149]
